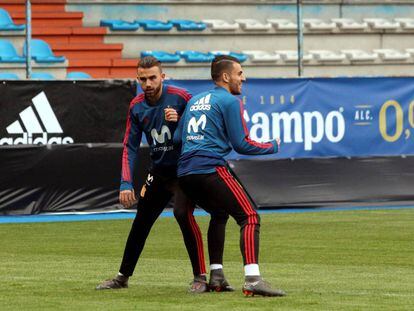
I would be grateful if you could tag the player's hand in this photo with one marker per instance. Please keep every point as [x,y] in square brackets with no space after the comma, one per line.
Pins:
[171,114]
[127,198]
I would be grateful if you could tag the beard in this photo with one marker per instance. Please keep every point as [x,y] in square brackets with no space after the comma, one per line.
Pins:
[235,89]
[151,93]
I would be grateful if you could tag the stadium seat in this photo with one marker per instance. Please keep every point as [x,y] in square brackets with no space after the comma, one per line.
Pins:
[195,57]
[42,76]
[406,23]
[318,24]
[355,55]
[381,24]
[8,76]
[152,24]
[162,56]
[240,56]
[411,51]
[326,56]
[117,24]
[8,53]
[220,25]
[261,56]
[392,55]
[282,24]
[77,75]
[42,53]
[253,24]
[185,24]
[349,24]
[291,56]
[6,23]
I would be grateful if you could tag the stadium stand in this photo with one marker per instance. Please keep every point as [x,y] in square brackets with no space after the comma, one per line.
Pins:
[195,57]
[220,25]
[318,24]
[360,56]
[291,56]
[253,24]
[240,56]
[185,25]
[117,24]
[346,24]
[164,57]
[77,75]
[261,56]
[105,39]
[283,24]
[42,53]
[42,76]
[8,76]
[392,55]
[6,23]
[8,53]
[324,56]
[150,24]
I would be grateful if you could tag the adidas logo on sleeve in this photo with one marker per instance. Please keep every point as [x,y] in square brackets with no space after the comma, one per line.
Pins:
[30,127]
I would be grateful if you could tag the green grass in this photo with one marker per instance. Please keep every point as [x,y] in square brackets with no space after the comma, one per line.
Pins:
[325,261]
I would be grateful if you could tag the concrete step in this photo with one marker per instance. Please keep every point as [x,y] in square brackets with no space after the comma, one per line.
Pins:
[48,19]
[87,50]
[13,6]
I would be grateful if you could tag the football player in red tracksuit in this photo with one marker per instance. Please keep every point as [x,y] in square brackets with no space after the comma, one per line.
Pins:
[156,112]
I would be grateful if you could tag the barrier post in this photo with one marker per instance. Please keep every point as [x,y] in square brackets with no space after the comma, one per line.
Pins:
[300,36]
[28,39]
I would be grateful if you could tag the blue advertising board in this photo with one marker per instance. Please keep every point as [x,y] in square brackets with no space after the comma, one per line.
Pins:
[328,117]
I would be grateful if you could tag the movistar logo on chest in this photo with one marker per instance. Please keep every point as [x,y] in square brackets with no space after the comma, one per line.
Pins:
[162,137]
[202,104]
[35,126]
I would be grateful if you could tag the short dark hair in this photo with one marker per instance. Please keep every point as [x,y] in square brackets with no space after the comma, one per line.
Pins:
[221,64]
[149,62]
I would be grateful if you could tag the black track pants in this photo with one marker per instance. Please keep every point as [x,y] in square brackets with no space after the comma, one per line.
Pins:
[220,193]
[153,198]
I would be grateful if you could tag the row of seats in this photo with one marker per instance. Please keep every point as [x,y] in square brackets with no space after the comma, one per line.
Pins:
[191,56]
[7,24]
[150,24]
[311,24]
[353,55]
[45,76]
[40,52]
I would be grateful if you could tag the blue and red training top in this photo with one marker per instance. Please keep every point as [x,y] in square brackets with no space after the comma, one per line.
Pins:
[150,119]
[212,125]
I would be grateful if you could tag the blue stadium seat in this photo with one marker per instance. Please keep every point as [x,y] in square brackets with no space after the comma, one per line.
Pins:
[42,76]
[117,24]
[196,57]
[42,53]
[8,53]
[78,75]
[185,24]
[240,56]
[8,76]
[162,56]
[151,24]
[6,23]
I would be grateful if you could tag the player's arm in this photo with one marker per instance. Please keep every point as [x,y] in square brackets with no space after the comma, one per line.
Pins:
[171,114]
[180,118]
[239,134]
[132,141]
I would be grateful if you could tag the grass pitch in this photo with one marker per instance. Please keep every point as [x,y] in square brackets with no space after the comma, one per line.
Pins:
[351,260]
